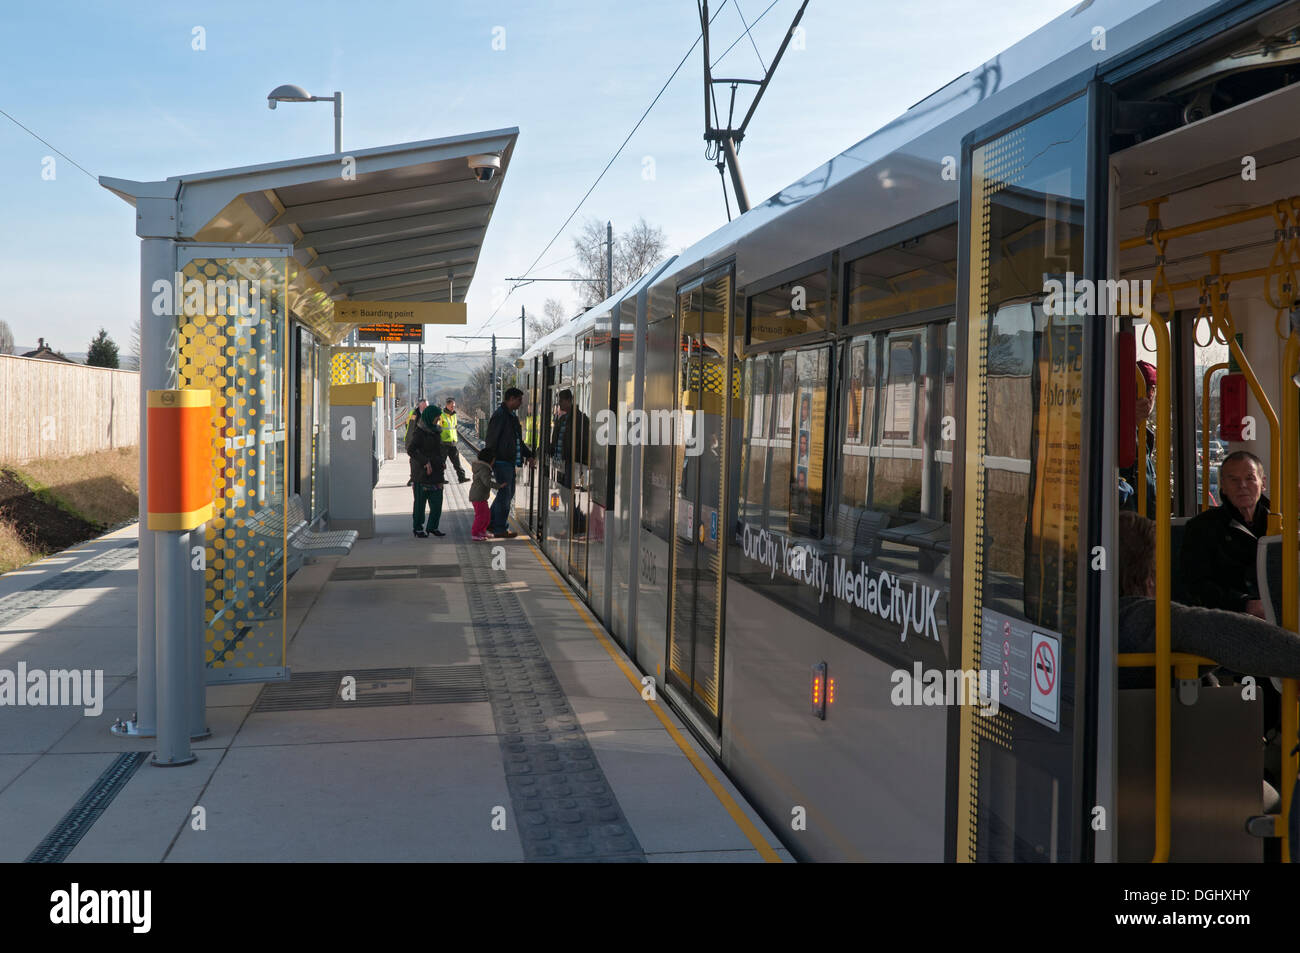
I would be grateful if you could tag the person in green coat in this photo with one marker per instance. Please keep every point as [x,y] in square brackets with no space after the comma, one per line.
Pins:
[428,460]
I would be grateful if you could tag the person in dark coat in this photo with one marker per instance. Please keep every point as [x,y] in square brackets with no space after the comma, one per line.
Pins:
[1218,554]
[410,426]
[428,460]
[506,440]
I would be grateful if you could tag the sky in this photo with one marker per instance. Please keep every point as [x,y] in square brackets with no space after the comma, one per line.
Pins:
[119,88]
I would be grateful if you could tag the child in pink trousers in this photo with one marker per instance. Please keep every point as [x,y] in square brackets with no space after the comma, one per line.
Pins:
[480,487]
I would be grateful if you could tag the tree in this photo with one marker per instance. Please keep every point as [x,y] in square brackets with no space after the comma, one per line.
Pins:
[554,317]
[6,339]
[103,352]
[133,359]
[478,392]
[635,251]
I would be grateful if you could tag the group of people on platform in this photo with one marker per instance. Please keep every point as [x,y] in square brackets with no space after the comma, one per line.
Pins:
[431,438]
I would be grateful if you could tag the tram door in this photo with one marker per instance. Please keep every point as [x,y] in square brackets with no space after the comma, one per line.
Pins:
[695,620]
[579,462]
[525,488]
[551,476]
[1028,487]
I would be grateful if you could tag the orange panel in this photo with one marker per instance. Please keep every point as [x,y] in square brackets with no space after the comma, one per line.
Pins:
[180,459]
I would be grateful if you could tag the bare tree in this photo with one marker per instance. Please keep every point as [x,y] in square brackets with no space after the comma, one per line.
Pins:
[635,250]
[554,317]
[7,338]
[133,342]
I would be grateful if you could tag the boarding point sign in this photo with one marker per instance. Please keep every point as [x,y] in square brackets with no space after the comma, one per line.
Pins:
[400,312]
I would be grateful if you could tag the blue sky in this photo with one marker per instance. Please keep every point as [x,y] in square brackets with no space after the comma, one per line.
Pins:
[118,87]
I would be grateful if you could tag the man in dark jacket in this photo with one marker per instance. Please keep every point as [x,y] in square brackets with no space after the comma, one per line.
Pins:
[410,426]
[1218,555]
[505,437]
[428,461]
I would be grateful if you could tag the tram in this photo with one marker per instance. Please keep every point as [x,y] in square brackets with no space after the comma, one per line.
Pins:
[899,394]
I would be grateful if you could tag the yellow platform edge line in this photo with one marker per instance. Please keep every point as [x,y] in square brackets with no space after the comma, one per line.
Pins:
[728,802]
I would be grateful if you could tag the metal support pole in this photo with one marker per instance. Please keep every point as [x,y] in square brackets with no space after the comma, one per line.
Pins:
[157,372]
[338,121]
[171,601]
[194,640]
[609,259]
[523,331]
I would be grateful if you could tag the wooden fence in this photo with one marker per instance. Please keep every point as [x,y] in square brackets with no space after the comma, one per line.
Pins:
[49,409]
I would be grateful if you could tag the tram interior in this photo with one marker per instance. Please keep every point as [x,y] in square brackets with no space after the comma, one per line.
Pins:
[1220,198]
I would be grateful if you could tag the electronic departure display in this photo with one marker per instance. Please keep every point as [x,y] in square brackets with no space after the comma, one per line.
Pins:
[391,333]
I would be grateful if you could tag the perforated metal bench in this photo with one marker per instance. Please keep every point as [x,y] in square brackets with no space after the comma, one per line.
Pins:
[307,543]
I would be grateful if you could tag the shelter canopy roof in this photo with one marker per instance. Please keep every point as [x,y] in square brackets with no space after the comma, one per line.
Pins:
[397,223]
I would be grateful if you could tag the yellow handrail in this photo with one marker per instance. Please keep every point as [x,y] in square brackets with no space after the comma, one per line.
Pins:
[1205,430]
[1163,746]
[1290,494]
[1163,235]
[1221,312]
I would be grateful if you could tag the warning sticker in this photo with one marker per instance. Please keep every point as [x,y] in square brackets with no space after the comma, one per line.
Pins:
[1027,661]
[1044,700]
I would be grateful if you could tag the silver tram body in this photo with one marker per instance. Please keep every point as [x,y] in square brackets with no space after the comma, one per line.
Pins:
[816,534]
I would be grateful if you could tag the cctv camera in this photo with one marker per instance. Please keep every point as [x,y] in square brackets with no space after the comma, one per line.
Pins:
[485,167]
[270,104]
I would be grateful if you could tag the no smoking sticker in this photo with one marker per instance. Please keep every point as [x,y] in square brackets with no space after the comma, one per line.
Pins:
[1045,694]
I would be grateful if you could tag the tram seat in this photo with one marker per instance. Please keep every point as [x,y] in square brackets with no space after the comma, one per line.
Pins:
[1268,571]
[866,534]
[1215,778]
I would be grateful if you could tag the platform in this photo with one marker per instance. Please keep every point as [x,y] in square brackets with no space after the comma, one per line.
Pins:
[494,721]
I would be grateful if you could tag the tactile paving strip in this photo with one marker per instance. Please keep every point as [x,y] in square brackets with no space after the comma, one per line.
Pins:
[562,801]
[18,604]
[381,573]
[376,688]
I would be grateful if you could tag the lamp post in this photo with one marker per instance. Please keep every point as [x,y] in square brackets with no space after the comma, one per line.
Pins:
[296,94]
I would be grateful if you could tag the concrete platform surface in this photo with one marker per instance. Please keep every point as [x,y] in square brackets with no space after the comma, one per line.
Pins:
[543,749]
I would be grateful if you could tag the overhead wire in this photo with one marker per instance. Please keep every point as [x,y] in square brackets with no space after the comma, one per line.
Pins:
[610,163]
[50,144]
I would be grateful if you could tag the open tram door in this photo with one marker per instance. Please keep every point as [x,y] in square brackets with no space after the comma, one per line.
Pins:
[1032,380]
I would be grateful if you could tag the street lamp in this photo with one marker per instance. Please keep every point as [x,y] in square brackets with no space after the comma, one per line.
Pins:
[296,94]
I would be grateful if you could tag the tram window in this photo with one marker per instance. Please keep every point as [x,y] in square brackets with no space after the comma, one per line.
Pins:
[783,476]
[885,458]
[757,383]
[914,275]
[796,307]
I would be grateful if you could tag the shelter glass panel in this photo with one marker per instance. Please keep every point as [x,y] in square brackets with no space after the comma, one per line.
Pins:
[232,342]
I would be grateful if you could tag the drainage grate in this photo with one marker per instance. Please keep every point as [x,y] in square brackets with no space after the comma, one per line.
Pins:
[59,843]
[375,688]
[381,573]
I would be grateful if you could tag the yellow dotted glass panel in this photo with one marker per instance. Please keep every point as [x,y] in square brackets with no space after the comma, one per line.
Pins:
[235,318]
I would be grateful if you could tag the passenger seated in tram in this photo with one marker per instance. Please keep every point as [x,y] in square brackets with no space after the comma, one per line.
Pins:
[1233,639]
[1238,642]
[1218,552]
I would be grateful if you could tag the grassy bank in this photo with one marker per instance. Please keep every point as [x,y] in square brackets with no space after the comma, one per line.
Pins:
[49,505]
